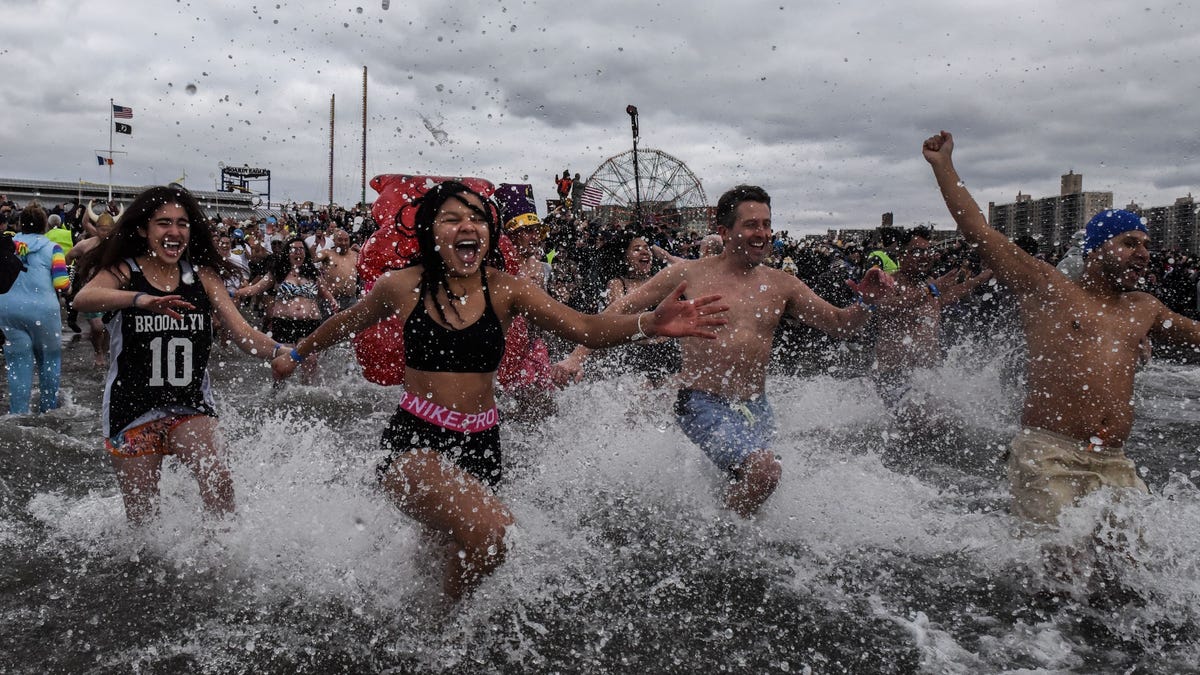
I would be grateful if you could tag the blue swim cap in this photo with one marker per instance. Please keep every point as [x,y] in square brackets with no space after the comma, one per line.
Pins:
[1108,224]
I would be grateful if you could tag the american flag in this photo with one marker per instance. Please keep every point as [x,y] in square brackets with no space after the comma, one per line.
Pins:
[591,197]
[122,113]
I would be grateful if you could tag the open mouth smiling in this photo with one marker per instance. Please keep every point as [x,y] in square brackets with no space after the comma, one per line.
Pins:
[467,251]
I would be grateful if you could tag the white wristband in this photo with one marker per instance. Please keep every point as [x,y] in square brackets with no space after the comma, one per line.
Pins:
[640,334]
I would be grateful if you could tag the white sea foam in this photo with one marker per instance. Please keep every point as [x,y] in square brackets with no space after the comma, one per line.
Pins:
[611,484]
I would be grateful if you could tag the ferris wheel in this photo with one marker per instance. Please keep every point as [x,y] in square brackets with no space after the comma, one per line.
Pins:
[667,185]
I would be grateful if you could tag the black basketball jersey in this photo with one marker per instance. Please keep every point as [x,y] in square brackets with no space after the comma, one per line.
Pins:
[158,363]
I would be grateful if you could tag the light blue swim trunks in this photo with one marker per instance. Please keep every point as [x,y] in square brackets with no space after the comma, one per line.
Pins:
[727,430]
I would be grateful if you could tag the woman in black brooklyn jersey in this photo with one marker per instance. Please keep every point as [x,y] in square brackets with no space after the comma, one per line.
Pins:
[157,282]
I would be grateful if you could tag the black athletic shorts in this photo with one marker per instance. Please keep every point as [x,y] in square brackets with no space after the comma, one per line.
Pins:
[476,453]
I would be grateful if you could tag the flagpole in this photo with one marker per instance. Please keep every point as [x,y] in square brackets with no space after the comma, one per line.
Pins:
[110,144]
[332,98]
[363,197]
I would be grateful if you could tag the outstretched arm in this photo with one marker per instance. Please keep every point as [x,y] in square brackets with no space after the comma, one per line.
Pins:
[1177,330]
[105,293]
[671,318]
[841,322]
[244,336]
[570,369]
[1012,266]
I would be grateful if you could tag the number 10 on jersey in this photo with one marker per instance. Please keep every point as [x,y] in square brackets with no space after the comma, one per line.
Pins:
[176,360]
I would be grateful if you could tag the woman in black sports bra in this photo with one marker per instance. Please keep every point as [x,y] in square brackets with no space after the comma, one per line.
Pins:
[443,442]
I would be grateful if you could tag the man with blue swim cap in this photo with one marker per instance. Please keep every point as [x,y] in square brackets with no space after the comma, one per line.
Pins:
[1085,341]
[1108,224]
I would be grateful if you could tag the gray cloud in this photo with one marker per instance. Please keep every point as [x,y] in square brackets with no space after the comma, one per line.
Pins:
[826,107]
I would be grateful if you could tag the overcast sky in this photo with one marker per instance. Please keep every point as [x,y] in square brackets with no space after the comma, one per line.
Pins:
[824,105]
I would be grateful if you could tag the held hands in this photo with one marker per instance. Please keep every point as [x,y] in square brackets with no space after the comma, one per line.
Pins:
[283,365]
[686,318]
[875,284]
[937,149]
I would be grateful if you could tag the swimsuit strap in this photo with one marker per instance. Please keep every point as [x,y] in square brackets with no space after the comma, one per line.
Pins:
[487,294]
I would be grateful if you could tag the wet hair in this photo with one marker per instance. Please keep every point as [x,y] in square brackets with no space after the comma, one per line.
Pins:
[903,237]
[128,241]
[32,219]
[282,264]
[611,260]
[433,267]
[728,203]
[889,236]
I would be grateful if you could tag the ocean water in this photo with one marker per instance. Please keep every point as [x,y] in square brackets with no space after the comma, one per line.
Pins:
[887,548]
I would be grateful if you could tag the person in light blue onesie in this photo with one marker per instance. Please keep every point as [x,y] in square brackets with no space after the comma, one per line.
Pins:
[30,318]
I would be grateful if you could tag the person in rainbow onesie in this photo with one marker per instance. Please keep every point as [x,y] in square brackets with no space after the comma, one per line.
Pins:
[29,316]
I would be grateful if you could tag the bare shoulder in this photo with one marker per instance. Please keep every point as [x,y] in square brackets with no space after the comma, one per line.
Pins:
[397,280]
[117,275]
[1141,301]
[689,270]
[506,288]
[779,276]
[495,274]
[679,269]
[208,275]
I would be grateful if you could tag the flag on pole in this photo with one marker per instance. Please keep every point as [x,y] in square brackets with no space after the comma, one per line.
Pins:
[123,128]
[103,160]
[121,112]
[591,197]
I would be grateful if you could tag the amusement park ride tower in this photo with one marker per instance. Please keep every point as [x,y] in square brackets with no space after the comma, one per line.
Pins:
[646,185]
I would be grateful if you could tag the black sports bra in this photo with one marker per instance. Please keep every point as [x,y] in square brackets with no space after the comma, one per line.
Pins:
[431,347]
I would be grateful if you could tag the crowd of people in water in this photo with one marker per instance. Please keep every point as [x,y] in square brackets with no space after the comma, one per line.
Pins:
[157,283]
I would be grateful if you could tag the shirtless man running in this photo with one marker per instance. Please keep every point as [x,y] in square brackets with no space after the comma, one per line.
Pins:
[722,406]
[1083,349]
[338,269]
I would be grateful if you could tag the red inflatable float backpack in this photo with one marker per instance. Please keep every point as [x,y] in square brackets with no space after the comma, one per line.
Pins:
[380,348]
